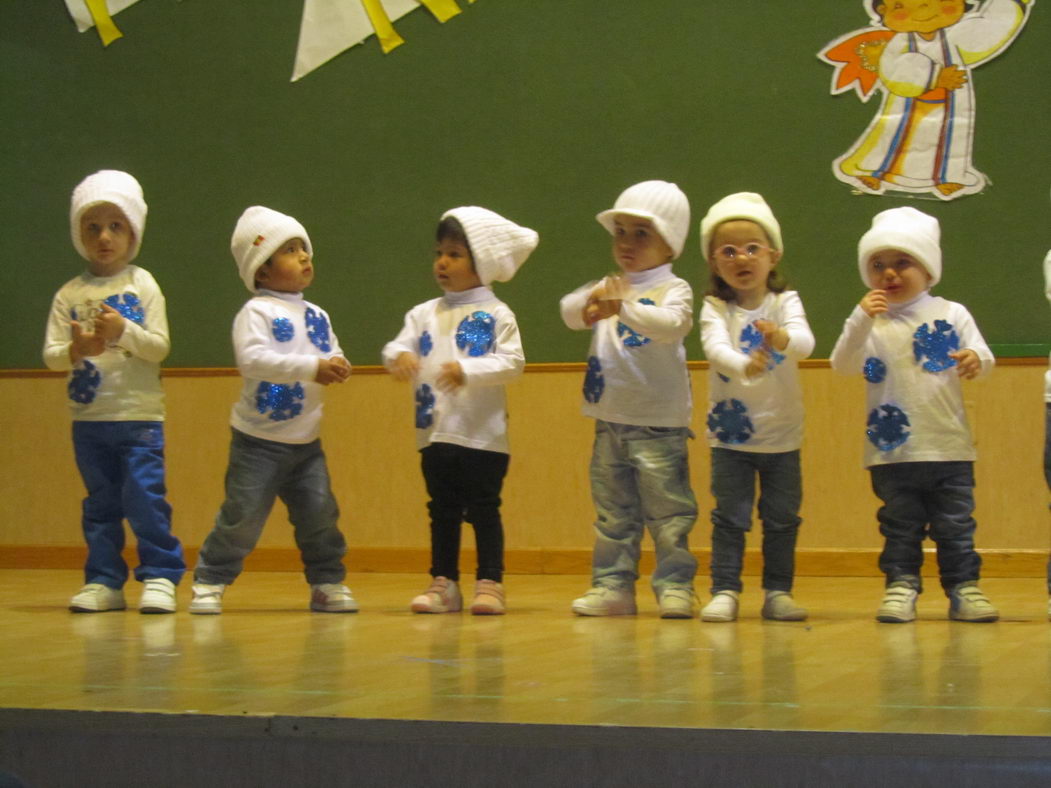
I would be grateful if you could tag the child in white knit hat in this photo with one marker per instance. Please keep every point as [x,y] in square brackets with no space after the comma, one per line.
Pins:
[754,331]
[913,349]
[108,328]
[638,391]
[458,351]
[286,351]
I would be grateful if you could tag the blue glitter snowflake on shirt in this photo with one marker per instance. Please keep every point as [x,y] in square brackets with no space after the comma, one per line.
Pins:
[751,339]
[729,421]
[630,336]
[317,330]
[874,370]
[129,306]
[426,343]
[424,407]
[84,383]
[283,329]
[886,427]
[281,401]
[594,381]
[476,334]
[936,345]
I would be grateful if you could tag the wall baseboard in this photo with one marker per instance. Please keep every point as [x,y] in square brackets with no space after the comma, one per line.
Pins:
[809,563]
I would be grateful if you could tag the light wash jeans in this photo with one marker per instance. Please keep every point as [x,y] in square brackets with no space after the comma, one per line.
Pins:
[640,479]
[260,471]
[780,496]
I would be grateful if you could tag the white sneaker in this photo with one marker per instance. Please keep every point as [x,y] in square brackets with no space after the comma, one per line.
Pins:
[602,601]
[722,607]
[207,598]
[442,596]
[158,596]
[779,606]
[677,603]
[332,598]
[968,603]
[97,598]
[898,605]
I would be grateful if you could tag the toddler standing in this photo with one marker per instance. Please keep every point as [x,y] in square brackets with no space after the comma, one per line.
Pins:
[754,331]
[913,348]
[459,351]
[638,391]
[108,328]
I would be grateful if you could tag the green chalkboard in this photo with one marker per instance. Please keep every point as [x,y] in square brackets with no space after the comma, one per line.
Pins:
[540,109]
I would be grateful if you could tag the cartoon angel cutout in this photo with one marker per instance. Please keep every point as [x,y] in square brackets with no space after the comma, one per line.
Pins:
[919,54]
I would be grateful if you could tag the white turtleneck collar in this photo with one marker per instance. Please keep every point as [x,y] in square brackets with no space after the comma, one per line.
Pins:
[475,295]
[650,276]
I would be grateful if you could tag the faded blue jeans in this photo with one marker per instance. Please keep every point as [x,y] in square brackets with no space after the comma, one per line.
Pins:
[260,471]
[922,499]
[640,479]
[734,474]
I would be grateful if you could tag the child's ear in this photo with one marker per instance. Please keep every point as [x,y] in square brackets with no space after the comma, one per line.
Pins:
[262,273]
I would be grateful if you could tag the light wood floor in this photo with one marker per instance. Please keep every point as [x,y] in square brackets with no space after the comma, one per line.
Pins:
[839,671]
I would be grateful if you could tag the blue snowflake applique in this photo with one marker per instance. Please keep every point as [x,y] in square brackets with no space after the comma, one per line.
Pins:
[426,343]
[129,306]
[424,407]
[729,421]
[751,339]
[84,383]
[936,345]
[594,381]
[281,401]
[476,334]
[874,370]
[885,427]
[630,336]
[283,329]
[317,330]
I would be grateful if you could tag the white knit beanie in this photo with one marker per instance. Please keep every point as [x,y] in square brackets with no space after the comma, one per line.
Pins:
[742,205]
[906,230]
[112,186]
[662,203]
[498,245]
[258,234]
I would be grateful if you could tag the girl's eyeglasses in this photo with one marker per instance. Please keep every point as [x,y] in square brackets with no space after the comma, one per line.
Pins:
[729,253]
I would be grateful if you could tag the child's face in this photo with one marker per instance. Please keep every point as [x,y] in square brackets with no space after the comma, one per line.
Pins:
[107,237]
[741,254]
[289,270]
[920,16]
[637,246]
[898,274]
[453,267]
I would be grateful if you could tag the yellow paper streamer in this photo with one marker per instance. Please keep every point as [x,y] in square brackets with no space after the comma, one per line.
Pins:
[442,9]
[107,30]
[385,32]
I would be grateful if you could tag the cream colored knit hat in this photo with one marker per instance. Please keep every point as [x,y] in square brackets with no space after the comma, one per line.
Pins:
[258,234]
[498,245]
[906,230]
[112,186]
[742,205]
[662,203]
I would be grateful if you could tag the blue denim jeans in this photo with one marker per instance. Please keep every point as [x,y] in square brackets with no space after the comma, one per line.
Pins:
[922,499]
[640,479]
[780,496]
[260,471]
[122,465]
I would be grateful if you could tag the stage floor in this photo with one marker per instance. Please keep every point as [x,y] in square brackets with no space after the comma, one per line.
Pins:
[268,655]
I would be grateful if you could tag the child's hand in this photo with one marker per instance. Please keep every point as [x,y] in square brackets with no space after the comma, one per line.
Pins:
[968,365]
[332,370]
[109,324]
[874,302]
[758,361]
[773,335]
[450,378]
[604,301]
[405,366]
[84,344]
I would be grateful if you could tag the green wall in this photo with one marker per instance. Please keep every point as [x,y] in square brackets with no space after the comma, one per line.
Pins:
[540,109]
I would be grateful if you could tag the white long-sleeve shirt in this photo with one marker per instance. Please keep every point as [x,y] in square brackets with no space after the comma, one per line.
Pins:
[763,413]
[637,362]
[478,330]
[914,397]
[278,339]
[123,382]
